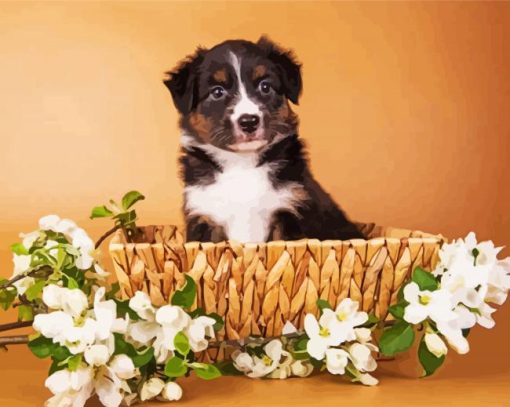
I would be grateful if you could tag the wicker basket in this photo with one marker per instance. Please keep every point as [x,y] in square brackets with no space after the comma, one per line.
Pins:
[256,288]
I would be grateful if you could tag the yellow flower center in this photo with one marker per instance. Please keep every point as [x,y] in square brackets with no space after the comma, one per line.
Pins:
[324,332]
[267,360]
[341,316]
[424,299]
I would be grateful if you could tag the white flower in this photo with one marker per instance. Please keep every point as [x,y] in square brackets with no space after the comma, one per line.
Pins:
[347,317]
[71,301]
[301,368]
[368,380]
[336,361]
[172,392]
[97,355]
[49,222]
[53,324]
[288,328]
[424,304]
[29,238]
[499,282]
[173,317]
[362,358]
[151,388]
[70,388]
[324,334]
[144,331]
[486,252]
[466,282]
[141,304]
[452,331]
[22,265]
[484,317]
[258,367]
[85,245]
[435,344]
[123,367]
[74,388]
[198,330]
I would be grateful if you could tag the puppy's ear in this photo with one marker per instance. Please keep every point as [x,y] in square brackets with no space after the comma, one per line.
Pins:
[183,82]
[290,70]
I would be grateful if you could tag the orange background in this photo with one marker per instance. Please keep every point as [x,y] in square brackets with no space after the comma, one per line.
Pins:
[405,110]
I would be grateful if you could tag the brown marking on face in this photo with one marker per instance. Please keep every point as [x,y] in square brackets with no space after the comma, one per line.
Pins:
[201,125]
[259,71]
[283,112]
[220,75]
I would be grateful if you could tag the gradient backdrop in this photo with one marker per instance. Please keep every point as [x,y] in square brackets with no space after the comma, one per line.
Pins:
[406,111]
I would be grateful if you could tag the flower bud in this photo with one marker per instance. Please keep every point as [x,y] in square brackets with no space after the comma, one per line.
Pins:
[172,391]
[151,388]
[435,345]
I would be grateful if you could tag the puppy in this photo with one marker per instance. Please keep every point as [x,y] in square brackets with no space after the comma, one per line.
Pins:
[244,167]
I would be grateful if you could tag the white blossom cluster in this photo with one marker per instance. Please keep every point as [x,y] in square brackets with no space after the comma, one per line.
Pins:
[470,277]
[90,332]
[337,340]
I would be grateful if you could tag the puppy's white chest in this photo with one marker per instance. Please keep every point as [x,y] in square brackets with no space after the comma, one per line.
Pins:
[242,200]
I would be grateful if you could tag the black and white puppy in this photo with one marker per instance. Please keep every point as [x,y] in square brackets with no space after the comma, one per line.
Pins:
[244,168]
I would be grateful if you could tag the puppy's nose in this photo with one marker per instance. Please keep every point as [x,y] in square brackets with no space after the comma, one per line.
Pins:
[249,122]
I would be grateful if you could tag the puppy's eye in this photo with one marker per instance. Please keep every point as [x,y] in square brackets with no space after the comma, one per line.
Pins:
[218,92]
[265,87]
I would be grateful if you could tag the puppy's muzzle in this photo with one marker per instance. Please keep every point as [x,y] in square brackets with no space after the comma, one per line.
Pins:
[249,123]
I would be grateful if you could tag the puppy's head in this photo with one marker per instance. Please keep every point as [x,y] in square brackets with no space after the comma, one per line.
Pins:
[236,95]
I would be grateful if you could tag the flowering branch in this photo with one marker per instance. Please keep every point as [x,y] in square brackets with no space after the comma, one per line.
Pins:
[106,235]
[13,340]
[44,272]
[15,325]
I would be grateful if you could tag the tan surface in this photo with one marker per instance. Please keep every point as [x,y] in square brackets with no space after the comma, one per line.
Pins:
[405,110]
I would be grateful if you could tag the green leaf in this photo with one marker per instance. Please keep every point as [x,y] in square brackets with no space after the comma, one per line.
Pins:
[371,321]
[175,367]
[228,369]
[428,360]
[34,291]
[181,344]
[74,362]
[424,279]
[143,358]
[19,249]
[301,344]
[100,212]
[7,296]
[323,304]
[122,347]
[71,282]
[206,371]
[41,347]
[123,309]
[400,294]
[60,353]
[186,296]
[25,313]
[55,367]
[126,218]
[397,310]
[130,198]
[398,338]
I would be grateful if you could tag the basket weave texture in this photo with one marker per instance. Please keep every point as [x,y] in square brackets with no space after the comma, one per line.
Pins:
[257,287]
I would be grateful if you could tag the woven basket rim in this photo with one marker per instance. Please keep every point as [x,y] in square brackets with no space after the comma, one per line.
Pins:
[374,232]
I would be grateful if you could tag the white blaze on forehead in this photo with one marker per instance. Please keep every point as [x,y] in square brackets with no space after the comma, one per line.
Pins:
[244,104]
